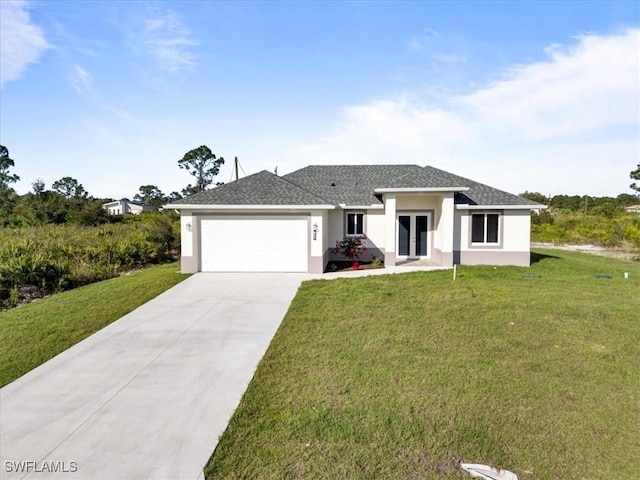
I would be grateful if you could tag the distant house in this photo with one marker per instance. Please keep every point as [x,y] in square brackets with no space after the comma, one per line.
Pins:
[124,206]
[633,209]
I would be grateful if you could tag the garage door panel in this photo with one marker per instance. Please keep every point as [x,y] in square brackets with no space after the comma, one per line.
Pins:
[260,244]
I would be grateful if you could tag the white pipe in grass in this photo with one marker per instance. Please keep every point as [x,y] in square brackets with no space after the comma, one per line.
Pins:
[486,472]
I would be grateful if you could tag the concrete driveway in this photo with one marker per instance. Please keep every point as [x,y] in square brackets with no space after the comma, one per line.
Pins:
[147,396]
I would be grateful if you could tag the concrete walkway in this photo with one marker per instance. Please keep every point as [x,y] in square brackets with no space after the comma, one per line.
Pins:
[375,271]
[147,396]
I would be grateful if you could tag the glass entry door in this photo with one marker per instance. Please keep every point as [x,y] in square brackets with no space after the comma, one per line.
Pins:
[413,235]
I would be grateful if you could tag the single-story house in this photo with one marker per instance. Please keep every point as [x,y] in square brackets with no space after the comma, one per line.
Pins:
[264,222]
[124,206]
[633,209]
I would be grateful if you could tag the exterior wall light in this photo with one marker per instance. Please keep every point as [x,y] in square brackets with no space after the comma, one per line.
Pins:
[188,226]
[315,231]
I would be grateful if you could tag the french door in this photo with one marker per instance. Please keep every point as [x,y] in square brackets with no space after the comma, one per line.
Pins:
[413,235]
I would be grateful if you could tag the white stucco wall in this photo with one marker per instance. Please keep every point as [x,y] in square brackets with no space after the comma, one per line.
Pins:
[462,219]
[336,227]
[517,230]
[418,202]
[390,202]
[444,232]
[186,236]
[317,246]
[376,229]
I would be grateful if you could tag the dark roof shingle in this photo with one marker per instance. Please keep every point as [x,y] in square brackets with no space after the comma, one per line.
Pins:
[347,184]
[479,193]
[262,188]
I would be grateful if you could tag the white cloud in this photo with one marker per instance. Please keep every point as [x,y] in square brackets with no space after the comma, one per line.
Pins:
[165,37]
[122,116]
[21,42]
[428,36]
[568,124]
[588,86]
[387,132]
[81,81]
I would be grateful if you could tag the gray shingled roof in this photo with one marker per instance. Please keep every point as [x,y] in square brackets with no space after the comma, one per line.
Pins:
[426,177]
[262,188]
[346,184]
[478,193]
[349,184]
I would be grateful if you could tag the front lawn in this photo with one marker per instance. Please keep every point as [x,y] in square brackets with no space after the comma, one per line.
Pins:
[403,376]
[35,332]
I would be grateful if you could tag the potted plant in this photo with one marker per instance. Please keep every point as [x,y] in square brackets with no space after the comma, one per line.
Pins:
[352,248]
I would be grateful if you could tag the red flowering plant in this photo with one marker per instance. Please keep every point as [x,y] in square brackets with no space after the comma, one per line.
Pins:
[351,247]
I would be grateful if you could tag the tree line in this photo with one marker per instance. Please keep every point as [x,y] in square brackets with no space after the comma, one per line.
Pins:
[587,204]
[583,219]
[68,201]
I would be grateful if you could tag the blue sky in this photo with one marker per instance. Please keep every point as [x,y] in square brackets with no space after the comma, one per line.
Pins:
[538,96]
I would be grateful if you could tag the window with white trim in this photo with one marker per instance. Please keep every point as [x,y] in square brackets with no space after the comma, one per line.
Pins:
[355,223]
[485,227]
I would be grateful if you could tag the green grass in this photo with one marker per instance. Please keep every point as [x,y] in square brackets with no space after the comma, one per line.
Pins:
[33,333]
[403,376]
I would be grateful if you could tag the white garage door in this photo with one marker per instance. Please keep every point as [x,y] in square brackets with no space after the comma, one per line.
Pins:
[254,244]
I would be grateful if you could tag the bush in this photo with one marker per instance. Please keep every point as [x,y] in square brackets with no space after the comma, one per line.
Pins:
[610,228]
[351,248]
[39,260]
[544,216]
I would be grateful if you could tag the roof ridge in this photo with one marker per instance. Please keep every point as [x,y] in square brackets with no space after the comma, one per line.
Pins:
[301,187]
[361,165]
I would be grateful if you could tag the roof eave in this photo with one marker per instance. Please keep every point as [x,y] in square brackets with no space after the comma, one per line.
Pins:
[464,206]
[185,206]
[422,190]
[373,206]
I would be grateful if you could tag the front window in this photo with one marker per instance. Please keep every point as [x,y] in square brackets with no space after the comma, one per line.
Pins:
[355,223]
[484,227]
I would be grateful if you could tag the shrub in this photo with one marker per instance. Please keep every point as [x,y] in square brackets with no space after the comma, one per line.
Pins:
[544,216]
[52,258]
[350,247]
[611,228]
